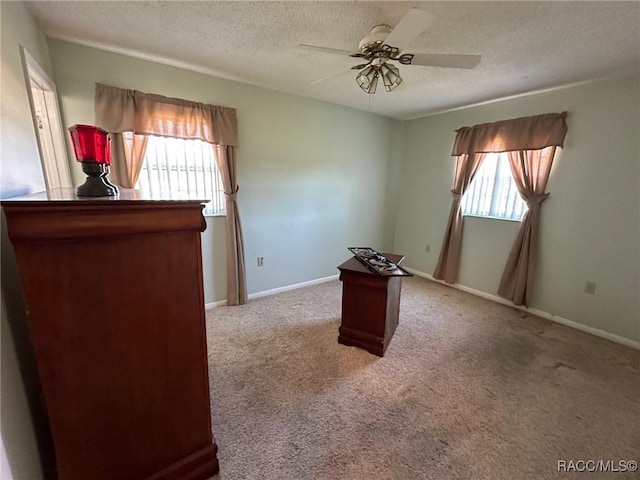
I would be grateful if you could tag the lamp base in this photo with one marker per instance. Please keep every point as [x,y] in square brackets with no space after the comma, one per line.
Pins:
[97,183]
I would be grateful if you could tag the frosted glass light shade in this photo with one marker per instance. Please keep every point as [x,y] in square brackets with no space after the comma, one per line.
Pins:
[367,79]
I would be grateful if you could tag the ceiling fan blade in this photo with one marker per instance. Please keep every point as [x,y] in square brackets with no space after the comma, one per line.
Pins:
[316,48]
[331,77]
[445,60]
[412,24]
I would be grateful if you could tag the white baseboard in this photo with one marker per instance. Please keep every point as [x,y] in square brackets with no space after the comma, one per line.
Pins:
[534,311]
[219,303]
[273,291]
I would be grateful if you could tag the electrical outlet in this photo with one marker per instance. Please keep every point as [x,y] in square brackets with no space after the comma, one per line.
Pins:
[261,261]
[427,248]
[590,287]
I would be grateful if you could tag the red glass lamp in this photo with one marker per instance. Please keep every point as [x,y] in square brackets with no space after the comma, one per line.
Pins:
[92,150]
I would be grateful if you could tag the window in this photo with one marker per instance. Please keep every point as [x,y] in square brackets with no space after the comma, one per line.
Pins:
[492,192]
[176,165]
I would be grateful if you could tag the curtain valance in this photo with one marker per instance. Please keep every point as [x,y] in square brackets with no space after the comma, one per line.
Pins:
[121,110]
[526,133]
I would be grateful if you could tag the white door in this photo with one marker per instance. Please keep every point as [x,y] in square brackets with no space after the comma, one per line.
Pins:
[47,123]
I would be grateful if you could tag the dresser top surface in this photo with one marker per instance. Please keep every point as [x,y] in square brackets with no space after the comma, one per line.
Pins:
[355,265]
[60,214]
[125,195]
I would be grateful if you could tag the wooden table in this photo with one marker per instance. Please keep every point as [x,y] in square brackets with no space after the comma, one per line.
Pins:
[370,306]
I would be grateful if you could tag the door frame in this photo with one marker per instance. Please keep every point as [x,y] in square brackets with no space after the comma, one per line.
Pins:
[53,153]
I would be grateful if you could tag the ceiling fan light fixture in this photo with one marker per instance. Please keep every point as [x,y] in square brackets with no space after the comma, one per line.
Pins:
[367,79]
[385,47]
[390,76]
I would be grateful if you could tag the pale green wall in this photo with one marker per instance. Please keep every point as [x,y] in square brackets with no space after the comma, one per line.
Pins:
[590,223]
[312,175]
[20,173]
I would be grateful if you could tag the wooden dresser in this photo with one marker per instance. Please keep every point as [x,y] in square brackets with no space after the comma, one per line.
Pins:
[115,309]
[370,306]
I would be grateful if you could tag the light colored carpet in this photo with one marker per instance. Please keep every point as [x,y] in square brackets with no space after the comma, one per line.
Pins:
[468,389]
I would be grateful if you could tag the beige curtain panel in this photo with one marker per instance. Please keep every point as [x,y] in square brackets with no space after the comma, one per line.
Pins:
[521,137]
[236,279]
[447,266]
[127,154]
[131,116]
[531,170]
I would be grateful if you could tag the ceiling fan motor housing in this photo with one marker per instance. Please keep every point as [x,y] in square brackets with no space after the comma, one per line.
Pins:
[378,34]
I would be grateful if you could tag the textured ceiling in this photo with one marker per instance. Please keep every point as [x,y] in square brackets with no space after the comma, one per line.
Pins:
[525,46]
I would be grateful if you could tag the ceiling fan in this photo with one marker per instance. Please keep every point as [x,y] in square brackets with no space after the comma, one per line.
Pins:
[386,45]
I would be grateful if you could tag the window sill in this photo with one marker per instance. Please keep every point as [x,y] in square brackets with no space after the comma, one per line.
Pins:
[207,215]
[491,218]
